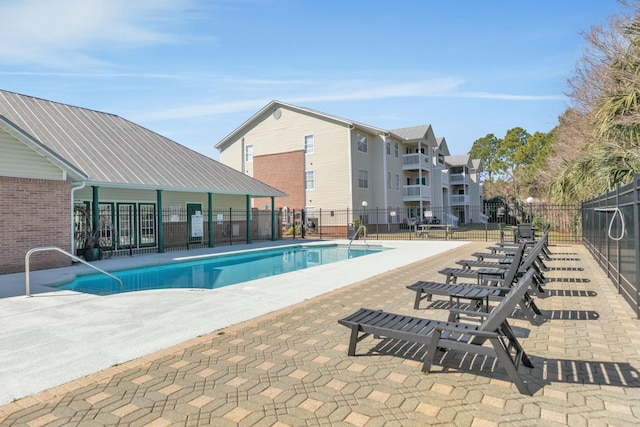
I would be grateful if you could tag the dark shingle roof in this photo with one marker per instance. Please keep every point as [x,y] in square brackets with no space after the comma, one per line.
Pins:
[114,151]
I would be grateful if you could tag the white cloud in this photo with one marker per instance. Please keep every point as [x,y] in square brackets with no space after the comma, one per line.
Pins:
[347,90]
[62,33]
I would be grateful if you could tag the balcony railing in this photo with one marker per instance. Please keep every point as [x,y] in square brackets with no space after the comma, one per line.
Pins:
[445,179]
[415,161]
[412,193]
[458,178]
[460,199]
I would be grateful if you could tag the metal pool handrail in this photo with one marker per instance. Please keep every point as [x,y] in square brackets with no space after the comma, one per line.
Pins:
[53,248]
[363,228]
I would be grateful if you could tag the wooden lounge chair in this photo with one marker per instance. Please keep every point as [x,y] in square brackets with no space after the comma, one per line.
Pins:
[477,293]
[532,258]
[494,330]
[479,275]
[501,249]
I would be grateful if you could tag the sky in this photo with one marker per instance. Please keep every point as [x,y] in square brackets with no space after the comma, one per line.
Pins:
[195,70]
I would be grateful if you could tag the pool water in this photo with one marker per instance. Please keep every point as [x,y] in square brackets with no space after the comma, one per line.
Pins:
[218,270]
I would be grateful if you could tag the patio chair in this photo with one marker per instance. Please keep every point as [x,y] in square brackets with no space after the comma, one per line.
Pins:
[532,258]
[507,273]
[500,248]
[479,294]
[434,334]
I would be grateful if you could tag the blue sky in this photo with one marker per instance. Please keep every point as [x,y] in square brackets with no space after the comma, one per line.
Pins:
[194,70]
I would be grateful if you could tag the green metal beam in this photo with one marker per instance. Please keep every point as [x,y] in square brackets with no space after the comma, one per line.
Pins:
[160,223]
[248,219]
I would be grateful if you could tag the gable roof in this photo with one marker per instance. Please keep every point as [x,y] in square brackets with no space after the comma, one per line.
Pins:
[459,160]
[413,132]
[105,149]
[443,148]
[410,133]
[273,105]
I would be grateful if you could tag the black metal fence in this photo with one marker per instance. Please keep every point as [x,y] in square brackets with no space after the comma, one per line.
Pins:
[135,229]
[611,232]
[477,223]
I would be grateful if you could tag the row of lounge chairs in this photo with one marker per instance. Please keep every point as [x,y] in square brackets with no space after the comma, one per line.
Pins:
[510,281]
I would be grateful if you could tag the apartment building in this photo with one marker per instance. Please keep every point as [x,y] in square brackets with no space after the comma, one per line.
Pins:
[328,162]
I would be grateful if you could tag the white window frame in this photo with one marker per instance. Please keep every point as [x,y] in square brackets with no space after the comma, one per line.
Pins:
[363,178]
[397,150]
[248,153]
[397,182]
[309,148]
[309,180]
[363,142]
[388,148]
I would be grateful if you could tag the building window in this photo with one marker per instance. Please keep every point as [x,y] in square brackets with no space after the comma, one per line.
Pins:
[397,150]
[397,181]
[363,178]
[309,180]
[147,224]
[248,153]
[388,148]
[362,143]
[388,180]
[308,144]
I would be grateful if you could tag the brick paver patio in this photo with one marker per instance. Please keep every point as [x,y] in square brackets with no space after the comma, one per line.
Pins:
[290,368]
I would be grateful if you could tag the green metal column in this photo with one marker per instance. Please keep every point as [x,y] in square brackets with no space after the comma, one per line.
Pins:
[210,207]
[95,211]
[273,218]
[160,223]
[248,219]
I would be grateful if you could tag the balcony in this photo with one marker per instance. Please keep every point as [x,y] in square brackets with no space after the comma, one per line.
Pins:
[460,199]
[445,179]
[415,193]
[459,179]
[415,161]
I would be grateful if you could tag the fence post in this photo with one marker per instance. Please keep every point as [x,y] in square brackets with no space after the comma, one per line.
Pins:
[618,262]
[636,235]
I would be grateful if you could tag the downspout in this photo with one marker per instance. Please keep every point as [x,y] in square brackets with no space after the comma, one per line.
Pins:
[73,216]
[420,178]
[385,186]
[351,127]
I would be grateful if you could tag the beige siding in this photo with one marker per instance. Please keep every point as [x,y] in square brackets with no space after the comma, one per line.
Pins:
[19,161]
[394,197]
[119,195]
[232,155]
[329,161]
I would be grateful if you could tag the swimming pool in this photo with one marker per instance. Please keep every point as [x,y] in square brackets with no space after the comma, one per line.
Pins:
[217,271]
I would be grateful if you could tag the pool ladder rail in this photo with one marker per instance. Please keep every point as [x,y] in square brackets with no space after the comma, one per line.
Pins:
[364,229]
[53,248]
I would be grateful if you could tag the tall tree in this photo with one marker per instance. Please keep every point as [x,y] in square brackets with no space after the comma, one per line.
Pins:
[599,136]
[486,149]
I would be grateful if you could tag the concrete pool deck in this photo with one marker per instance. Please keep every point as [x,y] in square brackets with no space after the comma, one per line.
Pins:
[57,336]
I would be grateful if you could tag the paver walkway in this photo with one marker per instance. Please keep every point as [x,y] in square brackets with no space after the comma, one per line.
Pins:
[290,367]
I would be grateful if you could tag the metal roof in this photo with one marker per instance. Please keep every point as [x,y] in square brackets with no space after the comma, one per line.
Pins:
[413,132]
[459,160]
[113,151]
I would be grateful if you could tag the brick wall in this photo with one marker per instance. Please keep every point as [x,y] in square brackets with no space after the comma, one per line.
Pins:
[33,213]
[284,171]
